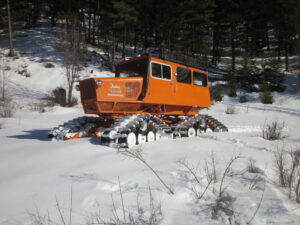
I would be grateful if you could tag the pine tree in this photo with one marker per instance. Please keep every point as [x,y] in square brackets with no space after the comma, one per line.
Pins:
[195,22]
[124,17]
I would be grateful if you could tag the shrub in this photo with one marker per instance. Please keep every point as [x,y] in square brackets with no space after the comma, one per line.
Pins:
[266,96]
[248,76]
[6,108]
[40,106]
[273,75]
[216,94]
[59,96]
[230,109]
[232,90]
[49,65]
[243,98]
[251,167]
[231,82]
[287,163]
[272,131]
[74,101]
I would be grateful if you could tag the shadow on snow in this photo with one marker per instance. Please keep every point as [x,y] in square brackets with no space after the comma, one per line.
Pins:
[41,135]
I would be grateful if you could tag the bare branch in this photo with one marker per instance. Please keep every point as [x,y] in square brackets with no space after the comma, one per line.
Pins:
[226,171]
[258,206]
[136,153]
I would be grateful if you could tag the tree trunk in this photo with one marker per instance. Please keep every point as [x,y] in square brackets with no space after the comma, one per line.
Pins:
[94,28]
[145,40]
[215,50]
[135,40]
[10,36]
[90,20]
[286,51]
[113,52]
[161,55]
[36,11]
[232,47]
[298,191]
[124,43]
[278,49]
[268,40]
[53,20]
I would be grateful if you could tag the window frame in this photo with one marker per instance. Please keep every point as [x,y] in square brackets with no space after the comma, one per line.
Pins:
[161,70]
[202,74]
[191,75]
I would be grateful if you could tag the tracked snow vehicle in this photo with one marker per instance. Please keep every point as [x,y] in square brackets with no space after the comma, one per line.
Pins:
[149,98]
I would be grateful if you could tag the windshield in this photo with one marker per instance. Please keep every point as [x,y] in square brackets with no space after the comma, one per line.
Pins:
[136,68]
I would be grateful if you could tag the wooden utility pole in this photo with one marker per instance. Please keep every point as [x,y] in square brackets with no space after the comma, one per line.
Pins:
[10,43]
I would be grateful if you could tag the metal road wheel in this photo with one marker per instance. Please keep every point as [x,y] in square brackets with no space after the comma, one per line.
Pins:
[150,136]
[131,140]
[157,135]
[198,132]
[191,132]
[141,139]
[209,130]
[144,126]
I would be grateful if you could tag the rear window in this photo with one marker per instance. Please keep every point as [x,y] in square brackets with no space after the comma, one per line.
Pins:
[184,75]
[161,71]
[200,79]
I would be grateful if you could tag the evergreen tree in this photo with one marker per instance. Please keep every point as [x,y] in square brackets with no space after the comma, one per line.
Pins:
[123,17]
[248,73]
[195,23]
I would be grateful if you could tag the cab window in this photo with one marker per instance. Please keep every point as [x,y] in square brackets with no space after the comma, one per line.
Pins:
[161,71]
[200,79]
[184,75]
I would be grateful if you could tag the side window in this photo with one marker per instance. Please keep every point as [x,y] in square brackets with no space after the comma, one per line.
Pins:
[156,70]
[184,75]
[200,79]
[161,71]
[166,70]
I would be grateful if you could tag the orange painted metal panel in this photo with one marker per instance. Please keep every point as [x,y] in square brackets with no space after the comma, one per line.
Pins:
[175,93]
[163,96]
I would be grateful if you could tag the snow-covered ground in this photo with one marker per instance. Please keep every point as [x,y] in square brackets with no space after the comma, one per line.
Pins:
[37,174]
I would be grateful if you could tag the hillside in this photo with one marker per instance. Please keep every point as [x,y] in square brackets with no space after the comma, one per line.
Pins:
[40,178]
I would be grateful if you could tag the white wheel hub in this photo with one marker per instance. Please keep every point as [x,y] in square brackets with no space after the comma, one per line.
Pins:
[131,140]
[209,130]
[157,135]
[198,131]
[144,126]
[150,136]
[141,139]
[191,132]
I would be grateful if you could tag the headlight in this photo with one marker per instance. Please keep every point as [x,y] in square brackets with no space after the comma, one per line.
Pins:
[99,83]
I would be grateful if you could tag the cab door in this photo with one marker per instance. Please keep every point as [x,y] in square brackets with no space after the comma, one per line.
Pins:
[161,87]
[184,88]
[201,90]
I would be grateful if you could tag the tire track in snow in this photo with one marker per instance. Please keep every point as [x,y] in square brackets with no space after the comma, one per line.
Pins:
[22,91]
[290,111]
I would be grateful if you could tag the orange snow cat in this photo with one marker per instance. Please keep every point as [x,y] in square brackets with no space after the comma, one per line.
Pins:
[147,84]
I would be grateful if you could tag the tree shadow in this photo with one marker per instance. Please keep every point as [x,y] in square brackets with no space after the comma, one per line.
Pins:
[41,135]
